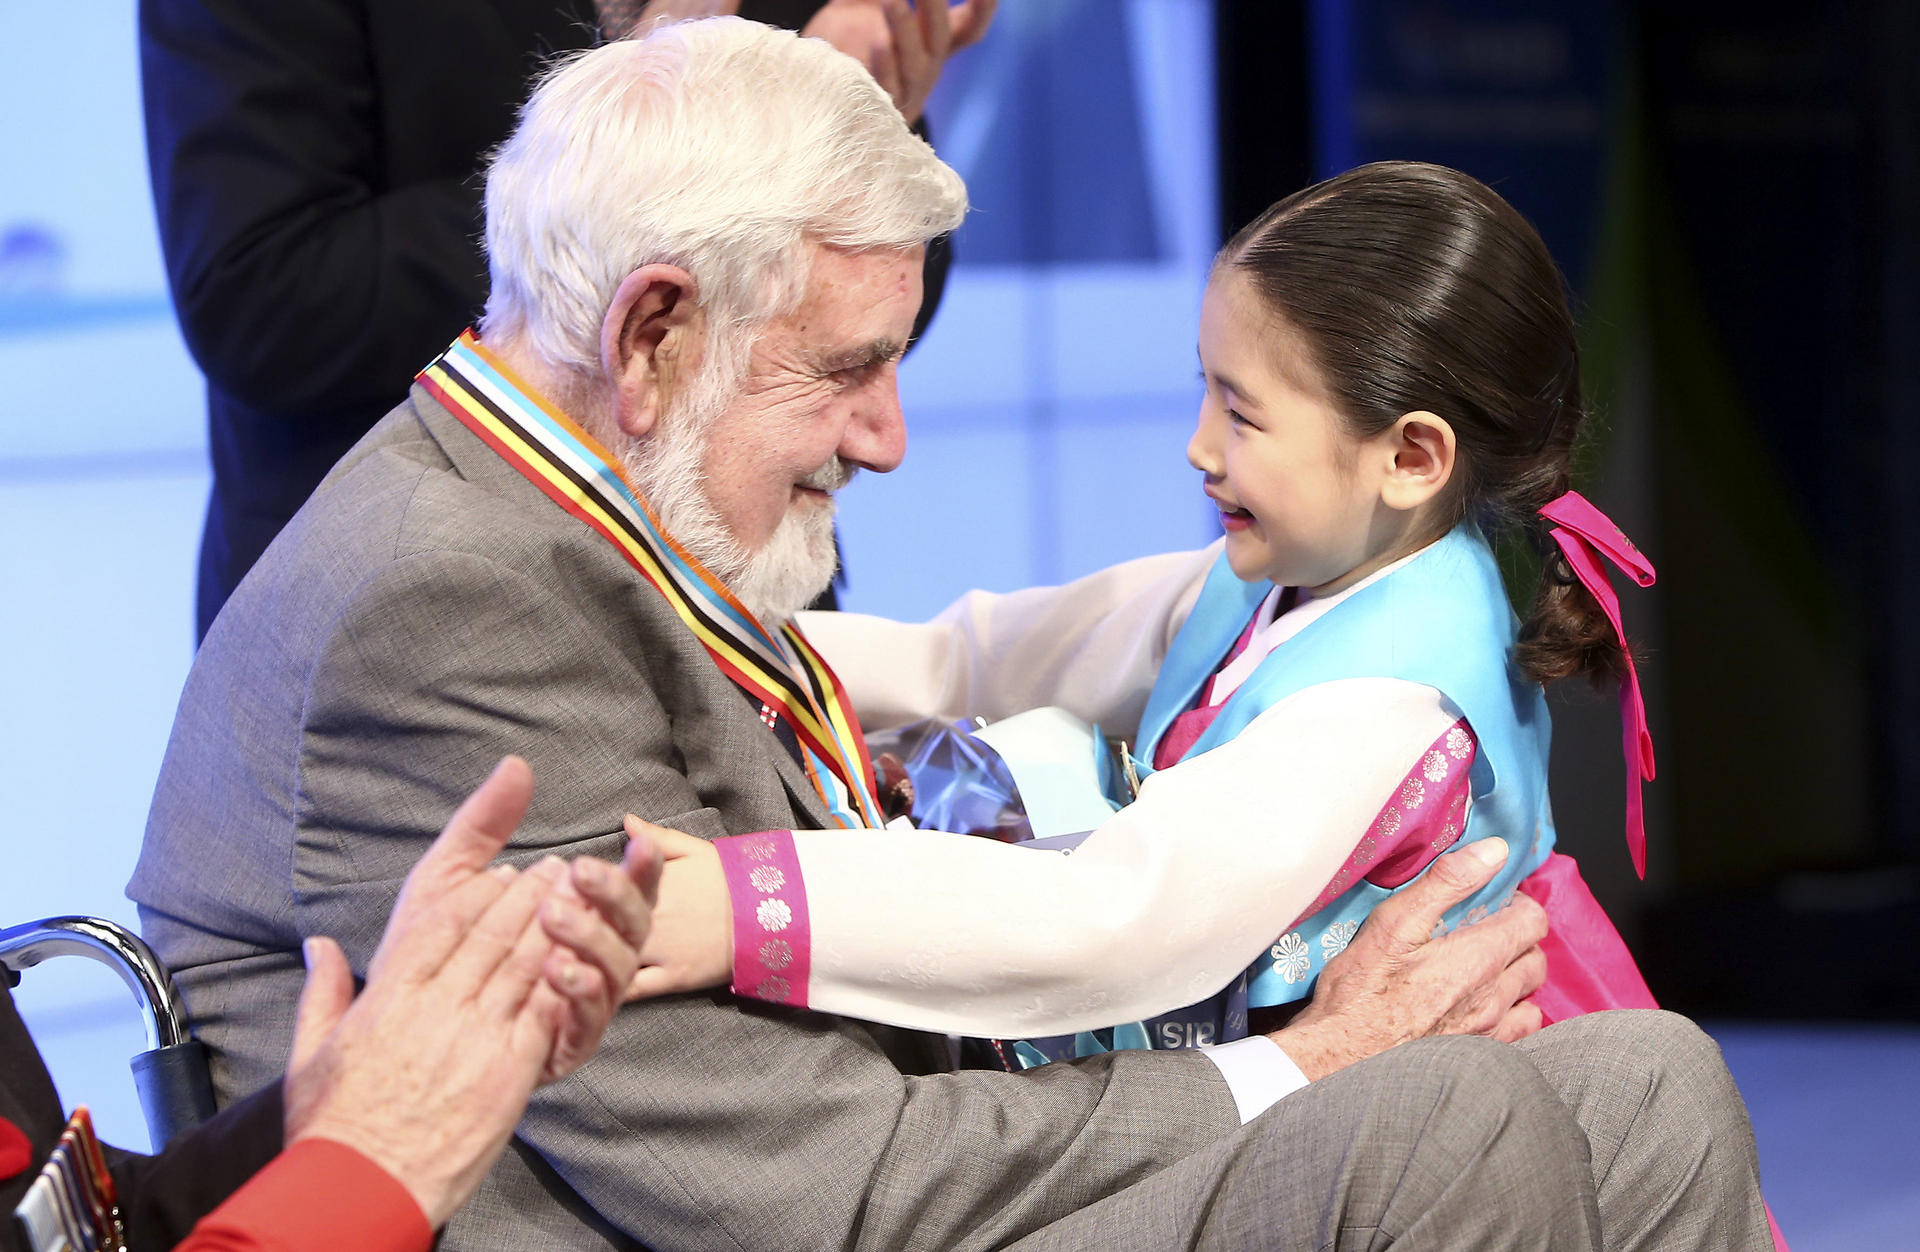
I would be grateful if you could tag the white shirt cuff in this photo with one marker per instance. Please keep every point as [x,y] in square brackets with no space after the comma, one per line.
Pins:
[1258,1073]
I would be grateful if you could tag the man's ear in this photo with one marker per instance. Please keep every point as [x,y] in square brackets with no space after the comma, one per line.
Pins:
[1423,451]
[649,343]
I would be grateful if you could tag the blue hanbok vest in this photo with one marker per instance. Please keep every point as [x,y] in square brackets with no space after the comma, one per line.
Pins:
[1441,620]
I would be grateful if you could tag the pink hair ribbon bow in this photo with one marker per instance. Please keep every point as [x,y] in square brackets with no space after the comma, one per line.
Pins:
[1585,534]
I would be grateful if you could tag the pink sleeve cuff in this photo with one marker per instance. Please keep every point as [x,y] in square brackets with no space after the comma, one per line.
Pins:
[1423,818]
[772,936]
[1429,812]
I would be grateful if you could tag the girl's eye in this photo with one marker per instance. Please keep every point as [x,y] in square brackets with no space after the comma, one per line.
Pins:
[1236,419]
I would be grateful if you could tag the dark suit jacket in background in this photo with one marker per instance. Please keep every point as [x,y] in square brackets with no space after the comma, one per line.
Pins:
[315,169]
[161,1197]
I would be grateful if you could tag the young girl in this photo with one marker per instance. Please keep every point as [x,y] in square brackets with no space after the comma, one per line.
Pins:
[1342,691]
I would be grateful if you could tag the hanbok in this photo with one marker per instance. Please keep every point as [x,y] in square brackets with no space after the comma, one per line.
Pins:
[1372,731]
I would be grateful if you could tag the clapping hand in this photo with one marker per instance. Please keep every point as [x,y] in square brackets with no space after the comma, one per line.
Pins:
[488,982]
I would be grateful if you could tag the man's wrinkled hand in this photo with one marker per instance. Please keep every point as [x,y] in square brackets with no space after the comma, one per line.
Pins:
[1399,981]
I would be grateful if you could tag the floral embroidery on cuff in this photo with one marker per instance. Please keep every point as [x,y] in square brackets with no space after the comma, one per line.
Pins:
[772,939]
[1459,742]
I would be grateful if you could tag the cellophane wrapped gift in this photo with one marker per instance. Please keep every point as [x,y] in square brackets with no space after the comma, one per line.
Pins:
[959,783]
[1056,779]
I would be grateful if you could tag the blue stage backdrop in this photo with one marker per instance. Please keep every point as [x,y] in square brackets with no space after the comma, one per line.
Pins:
[102,476]
[1058,377]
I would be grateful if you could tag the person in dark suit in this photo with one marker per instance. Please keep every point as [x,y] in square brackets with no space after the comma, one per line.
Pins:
[315,175]
[488,983]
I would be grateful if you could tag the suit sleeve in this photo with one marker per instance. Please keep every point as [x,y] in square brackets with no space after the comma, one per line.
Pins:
[300,281]
[1092,647]
[703,1122]
[789,14]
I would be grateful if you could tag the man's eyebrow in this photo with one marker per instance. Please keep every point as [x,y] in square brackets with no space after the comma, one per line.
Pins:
[859,356]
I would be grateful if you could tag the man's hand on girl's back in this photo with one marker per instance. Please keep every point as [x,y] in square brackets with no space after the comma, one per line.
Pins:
[1399,980]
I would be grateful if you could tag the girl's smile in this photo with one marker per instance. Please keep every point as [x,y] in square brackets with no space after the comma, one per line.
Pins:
[1232,517]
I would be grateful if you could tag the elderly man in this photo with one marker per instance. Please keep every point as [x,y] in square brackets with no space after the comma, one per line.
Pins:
[583,538]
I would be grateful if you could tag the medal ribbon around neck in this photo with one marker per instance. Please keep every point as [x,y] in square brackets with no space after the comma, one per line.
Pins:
[782,671]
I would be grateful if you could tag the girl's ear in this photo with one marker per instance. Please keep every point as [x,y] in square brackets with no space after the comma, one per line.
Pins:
[1424,452]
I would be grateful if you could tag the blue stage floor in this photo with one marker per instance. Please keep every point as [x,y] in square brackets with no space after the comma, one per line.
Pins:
[1834,1111]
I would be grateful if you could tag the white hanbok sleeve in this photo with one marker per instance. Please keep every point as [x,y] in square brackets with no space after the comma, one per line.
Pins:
[1092,646]
[1160,907]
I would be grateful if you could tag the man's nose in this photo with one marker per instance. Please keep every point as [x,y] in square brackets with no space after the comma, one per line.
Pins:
[876,437]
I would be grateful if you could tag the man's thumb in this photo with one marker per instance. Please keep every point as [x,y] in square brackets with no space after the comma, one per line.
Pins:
[324,998]
[1450,880]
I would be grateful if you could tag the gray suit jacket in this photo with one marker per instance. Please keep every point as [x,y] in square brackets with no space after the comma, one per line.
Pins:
[428,611]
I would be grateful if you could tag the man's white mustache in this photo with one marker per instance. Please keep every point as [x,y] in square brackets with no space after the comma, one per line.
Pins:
[832,476]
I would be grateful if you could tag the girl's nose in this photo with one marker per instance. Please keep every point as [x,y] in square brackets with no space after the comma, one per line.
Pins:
[1202,448]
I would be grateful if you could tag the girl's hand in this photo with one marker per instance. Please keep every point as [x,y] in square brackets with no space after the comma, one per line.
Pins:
[691,944]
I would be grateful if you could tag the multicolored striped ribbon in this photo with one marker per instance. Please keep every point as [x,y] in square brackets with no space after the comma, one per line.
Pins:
[779,672]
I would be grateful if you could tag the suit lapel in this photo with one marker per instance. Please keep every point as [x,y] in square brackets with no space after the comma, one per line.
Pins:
[800,791]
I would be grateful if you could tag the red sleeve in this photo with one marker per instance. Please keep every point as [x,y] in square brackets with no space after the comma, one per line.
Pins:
[317,1196]
[15,1152]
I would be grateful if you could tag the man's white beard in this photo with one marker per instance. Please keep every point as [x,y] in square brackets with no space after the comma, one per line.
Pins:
[798,560]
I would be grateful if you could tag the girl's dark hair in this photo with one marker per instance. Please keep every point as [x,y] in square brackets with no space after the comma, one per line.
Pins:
[1417,287]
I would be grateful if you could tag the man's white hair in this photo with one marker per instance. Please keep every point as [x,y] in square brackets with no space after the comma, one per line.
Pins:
[721,146]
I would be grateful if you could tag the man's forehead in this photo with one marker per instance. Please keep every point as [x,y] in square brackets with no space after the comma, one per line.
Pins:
[858,307]
[832,267]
